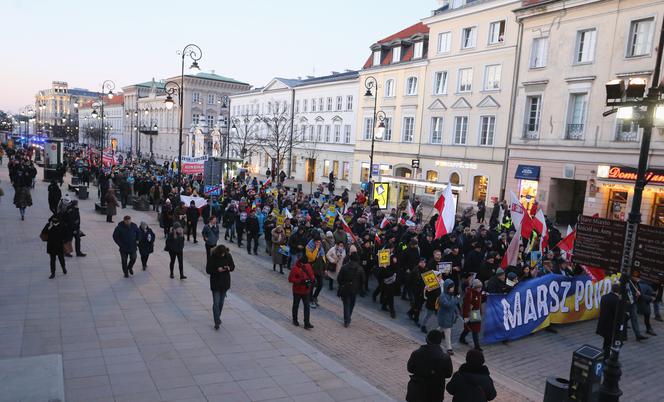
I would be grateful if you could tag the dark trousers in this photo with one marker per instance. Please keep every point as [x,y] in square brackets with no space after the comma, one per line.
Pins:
[208,249]
[252,237]
[218,297]
[144,260]
[349,304]
[239,233]
[61,258]
[476,336]
[318,286]
[172,264]
[230,233]
[127,267]
[606,346]
[77,242]
[296,307]
[109,218]
[124,198]
[191,228]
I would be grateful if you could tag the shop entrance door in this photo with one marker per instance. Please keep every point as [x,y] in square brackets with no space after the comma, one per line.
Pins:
[566,198]
[310,170]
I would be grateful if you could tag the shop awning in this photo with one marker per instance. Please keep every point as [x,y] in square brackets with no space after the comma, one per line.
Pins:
[527,172]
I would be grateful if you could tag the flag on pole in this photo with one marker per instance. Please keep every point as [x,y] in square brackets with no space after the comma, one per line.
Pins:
[522,221]
[567,244]
[377,239]
[384,223]
[446,212]
[287,213]
[409,210]
[539,224]
[511,256]
[346,228]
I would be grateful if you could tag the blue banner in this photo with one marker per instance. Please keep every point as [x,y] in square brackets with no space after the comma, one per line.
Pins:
[535,304]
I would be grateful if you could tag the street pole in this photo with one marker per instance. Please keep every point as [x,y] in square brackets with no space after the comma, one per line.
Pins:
[610,389]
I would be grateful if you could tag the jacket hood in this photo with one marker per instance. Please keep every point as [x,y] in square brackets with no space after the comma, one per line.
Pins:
[474,370]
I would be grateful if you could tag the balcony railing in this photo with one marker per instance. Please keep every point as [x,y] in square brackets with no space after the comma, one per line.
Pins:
[574,132]
[627,133]
[530,132]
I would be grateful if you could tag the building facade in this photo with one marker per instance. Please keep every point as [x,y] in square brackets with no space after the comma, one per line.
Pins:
[564,154]
[56,109]
[322,113]
[90,127]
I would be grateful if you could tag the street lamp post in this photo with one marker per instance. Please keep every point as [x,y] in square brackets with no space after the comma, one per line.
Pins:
[378,116]
[194,53]
[624,99]
[109,86]
[226,104]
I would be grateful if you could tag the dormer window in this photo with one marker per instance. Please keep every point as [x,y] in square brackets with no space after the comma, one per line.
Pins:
[396,54]
[376,58]
[418,50]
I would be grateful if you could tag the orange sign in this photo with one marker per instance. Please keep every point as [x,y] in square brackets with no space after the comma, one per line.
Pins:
[629,174]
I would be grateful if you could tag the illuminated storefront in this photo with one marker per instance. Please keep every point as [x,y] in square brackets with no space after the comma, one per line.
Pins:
[528,176]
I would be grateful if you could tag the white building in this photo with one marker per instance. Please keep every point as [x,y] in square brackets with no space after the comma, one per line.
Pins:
[89,126]
[322,114]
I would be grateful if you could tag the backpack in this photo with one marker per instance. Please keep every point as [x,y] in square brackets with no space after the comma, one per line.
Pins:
[243,217]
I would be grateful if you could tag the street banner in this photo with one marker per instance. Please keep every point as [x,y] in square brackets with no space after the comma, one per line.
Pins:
[535,304]
[430,280]
[384,258]
[193,165]
[198,201]
[380,192]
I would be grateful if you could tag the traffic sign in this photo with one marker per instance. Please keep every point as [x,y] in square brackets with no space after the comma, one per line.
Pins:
[415,163]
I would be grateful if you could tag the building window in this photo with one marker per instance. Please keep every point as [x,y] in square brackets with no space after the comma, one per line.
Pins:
[436,130]
[408,129]
[576,116]
[585,46]
[440,83]
[347,134]
[337,134]
[297,106]
[468,37]
[196,97]
[349,102]
[303,132]
[538,53]
[418,49]
[411,86]
[319,133]
[305,105]
[533,112]
[210,99]
[465,80]
[492,77]
[480,186]
[313,105]
[658,211]
[195,118]
[329,104]
[432,177]
[345,173]
[487,130]
[210,121]
[326,168]
[627,130]
[444,42]
[320,105]
[311,133]
[389,88]
[454,178]
[496,32]
[376,58]
[640,37]
[387,135]
[269,107]
[335,168]
[396,54]
[368,128]
[460,130]
[617,205]
[327,134]
[340,103]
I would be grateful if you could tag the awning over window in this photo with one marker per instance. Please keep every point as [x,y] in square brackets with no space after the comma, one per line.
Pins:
[527,172]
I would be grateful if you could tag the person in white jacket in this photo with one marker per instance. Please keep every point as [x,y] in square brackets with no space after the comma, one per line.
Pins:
[335,259]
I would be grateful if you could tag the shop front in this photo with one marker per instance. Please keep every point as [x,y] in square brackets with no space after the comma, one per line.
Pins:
[528,183]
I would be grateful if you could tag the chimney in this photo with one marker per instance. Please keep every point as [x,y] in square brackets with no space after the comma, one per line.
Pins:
[335,73]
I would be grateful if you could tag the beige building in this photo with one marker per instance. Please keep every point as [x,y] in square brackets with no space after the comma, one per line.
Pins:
[564,154]
[56,110]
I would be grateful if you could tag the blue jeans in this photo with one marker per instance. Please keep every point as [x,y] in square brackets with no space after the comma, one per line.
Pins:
[634,319]
[349,304]
[218,297]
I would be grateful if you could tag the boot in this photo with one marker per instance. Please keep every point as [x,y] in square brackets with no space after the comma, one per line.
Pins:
[281,269]
[172,276]
[182,274]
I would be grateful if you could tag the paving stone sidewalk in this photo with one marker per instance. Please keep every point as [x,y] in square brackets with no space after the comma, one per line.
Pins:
[148,338]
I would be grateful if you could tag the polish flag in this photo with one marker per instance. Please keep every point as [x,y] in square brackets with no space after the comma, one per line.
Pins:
[346,227]
[446,213]
[511,256]
[267,183]
[377,239]
[522,221]
[409,210]
[384,223]
[539,224]
[567,244]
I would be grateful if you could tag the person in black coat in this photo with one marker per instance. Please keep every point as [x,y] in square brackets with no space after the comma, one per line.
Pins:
[145,243]
[192,220]
[429,367]
[175,248]
[253,233]
[472,382]
[126,236]
[219,266]
[607,324]
[54,196]
[73,216]
[55,230]
[351,282]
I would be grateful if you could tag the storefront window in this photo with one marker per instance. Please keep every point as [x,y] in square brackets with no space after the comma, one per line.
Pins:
[617,208]
[527,192]
[346,171]
[432,176]
[658,211]
[364,172]
[335,168]
[326,168]
[480,185]
[454,178]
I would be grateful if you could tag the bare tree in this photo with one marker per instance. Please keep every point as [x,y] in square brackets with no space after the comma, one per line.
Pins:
[311,150]
[275,136]
[244,137]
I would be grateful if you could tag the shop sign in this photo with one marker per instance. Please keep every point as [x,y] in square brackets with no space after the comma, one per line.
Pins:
[527,172]
[457,164]
[649,253]
[599,242]
[626,173]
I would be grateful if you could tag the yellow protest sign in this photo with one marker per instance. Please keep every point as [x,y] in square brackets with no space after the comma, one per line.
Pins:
[380,192]
[383,258]
[430,280]
[280,220]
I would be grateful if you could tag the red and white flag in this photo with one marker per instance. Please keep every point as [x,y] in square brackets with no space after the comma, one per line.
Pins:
[377,239]
[409,210]
[446,213]
[346,228]
[384,223]
[511,256]
[539,224]
[522,221]
[567,244]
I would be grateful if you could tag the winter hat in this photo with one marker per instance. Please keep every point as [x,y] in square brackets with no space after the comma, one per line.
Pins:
[177,225]
[434,337]
[352,249]
[500,271]
[329,234]
[477,283]
[143,225]
[511,276]
[448,283]
[475,358]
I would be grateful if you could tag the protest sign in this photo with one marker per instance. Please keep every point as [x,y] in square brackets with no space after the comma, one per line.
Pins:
[383,258]
[430,280]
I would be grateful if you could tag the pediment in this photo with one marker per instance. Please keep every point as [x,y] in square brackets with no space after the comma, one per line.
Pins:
[461,103]
[488,102]
[437,105]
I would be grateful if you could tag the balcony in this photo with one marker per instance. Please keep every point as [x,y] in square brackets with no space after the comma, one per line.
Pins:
[627,133]
[574,132]
[530,132]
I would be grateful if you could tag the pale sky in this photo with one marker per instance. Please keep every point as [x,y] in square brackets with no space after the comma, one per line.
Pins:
[85,43]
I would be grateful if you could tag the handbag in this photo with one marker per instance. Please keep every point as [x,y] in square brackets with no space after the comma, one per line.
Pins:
[475,316]
[44,233]
[68,248]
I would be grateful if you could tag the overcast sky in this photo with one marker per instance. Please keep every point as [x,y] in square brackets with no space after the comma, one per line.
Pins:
[85,43]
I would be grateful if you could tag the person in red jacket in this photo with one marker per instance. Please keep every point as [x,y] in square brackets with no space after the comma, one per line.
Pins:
[472,313]
[302,277]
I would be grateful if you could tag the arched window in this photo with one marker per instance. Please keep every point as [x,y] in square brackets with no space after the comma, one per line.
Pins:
[480,186]
[432,176]
[454,178]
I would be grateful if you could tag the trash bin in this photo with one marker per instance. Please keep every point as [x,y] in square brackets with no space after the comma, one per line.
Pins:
[82,192]
[556,390]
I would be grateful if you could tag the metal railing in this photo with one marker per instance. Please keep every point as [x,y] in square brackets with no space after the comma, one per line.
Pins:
[627,133]
[530,131]
[574,132]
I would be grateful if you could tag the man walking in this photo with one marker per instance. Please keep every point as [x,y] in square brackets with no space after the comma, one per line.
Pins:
[126,236]
[429,367]
[351,282]
[74,223]
[606,324]
[253,228]
[210,235]
[302,277]
[192,220]
[54,196]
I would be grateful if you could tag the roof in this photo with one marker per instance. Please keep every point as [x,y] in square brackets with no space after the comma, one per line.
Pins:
[158,84]
[346,75]
[118,99]
[418,28]
[290,82]
[216,77]
[82,92]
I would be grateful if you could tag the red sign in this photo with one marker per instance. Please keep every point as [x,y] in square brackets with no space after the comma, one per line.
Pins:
[623,173]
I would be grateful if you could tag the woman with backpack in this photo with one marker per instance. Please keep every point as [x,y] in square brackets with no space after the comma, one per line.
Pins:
[448,312]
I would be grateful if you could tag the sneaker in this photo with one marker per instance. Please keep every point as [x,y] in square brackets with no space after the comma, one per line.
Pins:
[52,276]
[651,332]
[131,271]
[183,277]
[423,328]
[172,276]
[312,305]
[80,254]
[216,326]
[297,324]
[641,338]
